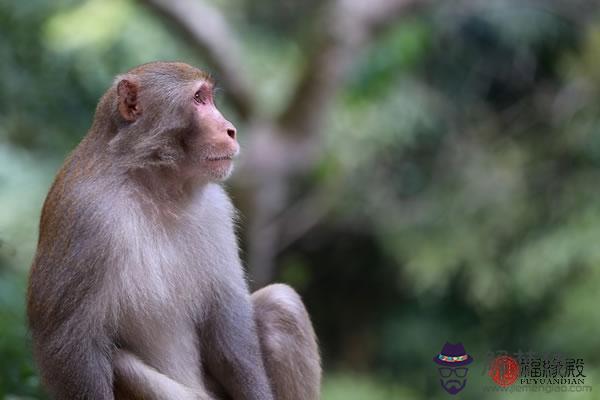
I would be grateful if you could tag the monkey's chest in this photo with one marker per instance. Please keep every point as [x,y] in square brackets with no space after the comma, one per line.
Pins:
[160,290]
[171,276]
[166,276]
[158,279]
[164,287]
[159,315]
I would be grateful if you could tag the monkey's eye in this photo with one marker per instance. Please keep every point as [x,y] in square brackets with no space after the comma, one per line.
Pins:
[199,97]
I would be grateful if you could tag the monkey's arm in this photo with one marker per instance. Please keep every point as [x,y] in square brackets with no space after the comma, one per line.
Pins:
[70,344]
[67,307]
[145,381]
[232,352]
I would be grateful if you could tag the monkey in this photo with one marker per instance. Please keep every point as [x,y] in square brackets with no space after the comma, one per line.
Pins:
[137,289]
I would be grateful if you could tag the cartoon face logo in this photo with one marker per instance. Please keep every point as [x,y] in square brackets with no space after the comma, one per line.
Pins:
[453,379]
[452,361]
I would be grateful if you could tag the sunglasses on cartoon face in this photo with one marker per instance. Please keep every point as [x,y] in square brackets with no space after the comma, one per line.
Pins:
[460,372]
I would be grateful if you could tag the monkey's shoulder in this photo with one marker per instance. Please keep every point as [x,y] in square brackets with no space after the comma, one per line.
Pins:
[71,253]
[74,212]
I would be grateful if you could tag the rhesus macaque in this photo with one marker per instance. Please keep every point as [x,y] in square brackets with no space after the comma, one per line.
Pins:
[137,289]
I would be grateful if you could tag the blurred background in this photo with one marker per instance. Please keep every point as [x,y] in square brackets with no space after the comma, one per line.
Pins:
[420,172]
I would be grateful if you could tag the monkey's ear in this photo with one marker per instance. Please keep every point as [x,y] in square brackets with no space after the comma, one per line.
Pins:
[127,92]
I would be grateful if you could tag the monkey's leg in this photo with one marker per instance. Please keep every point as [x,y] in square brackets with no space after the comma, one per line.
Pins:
[231,349]
[288,343]
[137,380]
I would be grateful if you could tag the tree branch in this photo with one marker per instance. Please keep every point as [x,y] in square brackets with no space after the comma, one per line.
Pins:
[207,29]
[347,27]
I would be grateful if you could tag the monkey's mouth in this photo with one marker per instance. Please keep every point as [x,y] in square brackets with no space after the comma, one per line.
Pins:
[221,158]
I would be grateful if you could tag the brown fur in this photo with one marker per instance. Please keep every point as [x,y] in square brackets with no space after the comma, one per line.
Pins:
[137,290]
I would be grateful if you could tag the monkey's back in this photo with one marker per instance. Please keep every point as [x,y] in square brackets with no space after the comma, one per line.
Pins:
[71,218]
[65,305]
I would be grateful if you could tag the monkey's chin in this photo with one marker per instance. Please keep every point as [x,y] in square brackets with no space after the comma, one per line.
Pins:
[218,171]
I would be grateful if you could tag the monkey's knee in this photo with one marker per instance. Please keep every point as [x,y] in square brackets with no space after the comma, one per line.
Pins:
[288,343]
[280,313]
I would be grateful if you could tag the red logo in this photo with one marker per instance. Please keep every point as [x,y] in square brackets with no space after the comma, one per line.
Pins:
[504,370]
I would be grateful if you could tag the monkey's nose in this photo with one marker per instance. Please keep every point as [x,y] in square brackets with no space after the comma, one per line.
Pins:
[231,132]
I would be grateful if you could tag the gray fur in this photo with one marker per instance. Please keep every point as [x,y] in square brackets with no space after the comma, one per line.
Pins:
[137,289]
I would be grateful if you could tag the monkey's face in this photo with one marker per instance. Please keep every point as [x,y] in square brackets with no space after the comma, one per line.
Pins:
[211,144]
[169,119]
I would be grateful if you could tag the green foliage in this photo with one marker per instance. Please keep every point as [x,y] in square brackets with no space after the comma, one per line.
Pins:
[17,372]
[356,387]
[461,173]
[473,167]
[23,182]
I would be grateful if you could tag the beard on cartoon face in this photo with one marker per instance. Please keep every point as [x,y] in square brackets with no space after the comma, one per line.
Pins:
[453,380]
[453,386]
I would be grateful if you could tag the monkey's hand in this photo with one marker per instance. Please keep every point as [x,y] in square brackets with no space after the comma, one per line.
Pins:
[139,377]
